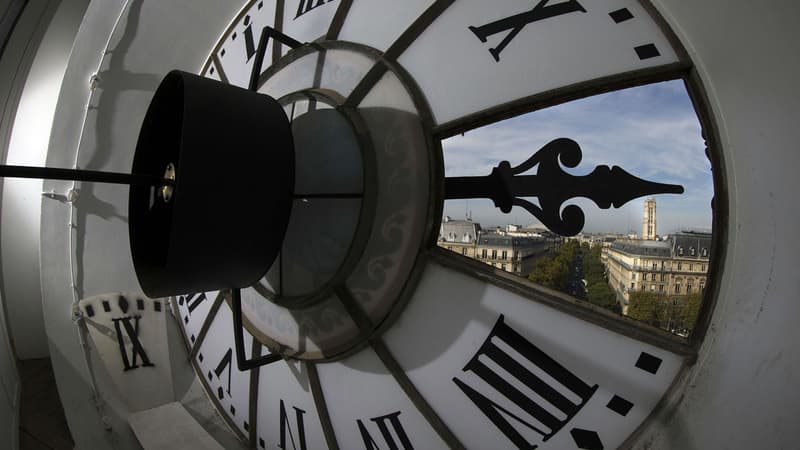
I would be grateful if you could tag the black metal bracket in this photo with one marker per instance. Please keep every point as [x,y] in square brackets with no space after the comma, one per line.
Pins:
[552,187]
[266,33]
[238,337]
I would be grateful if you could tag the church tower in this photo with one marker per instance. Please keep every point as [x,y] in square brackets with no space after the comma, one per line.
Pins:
[649,220]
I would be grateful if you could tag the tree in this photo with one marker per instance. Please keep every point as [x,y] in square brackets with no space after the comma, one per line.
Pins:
[690,310]
[673,313]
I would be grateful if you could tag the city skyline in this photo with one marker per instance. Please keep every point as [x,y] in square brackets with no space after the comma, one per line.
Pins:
[651,131]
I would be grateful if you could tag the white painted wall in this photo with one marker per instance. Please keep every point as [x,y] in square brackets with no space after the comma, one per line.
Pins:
[743,392]
[28,144]
[10,389]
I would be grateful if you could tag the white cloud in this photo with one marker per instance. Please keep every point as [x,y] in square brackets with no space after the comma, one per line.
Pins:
[650,131]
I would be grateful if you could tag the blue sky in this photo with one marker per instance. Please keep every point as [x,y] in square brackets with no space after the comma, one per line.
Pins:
[651,131]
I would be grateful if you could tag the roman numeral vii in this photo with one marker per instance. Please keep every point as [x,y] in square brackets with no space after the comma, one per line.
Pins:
[515,372]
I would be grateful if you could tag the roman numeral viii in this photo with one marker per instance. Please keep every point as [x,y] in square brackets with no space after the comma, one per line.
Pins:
[514,371]
[384,424]
[132,333]
[514,24]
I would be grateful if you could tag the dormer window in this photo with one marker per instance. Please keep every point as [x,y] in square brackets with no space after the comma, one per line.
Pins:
[692,251]
[704,252]
[680,251]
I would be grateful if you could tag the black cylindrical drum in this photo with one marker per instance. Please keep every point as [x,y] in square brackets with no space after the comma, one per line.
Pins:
[222,224]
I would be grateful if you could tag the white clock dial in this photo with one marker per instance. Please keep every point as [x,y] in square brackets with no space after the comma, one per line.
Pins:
[215,361]
[387,341]
[494,355]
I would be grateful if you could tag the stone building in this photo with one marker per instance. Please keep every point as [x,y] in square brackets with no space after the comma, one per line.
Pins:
[513,250]
[676,266]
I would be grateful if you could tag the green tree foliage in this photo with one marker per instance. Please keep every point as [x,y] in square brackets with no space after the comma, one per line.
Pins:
[553,271]
[674,313]
[598,291]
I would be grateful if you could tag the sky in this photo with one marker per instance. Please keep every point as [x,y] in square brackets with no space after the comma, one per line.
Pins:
[650,131]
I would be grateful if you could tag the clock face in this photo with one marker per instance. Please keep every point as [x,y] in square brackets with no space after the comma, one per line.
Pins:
[389,341]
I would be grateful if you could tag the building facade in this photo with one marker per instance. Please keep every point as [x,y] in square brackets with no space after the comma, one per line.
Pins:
[675,266]
[513,249]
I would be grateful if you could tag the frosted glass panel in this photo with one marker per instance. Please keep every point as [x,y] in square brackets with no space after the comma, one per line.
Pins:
[386,405]
[562,45]
[344,69]
[307,20]
[378,23]
[217,362]
[287,415]
[299,75]
[192,312]
[454,319]
[237,51]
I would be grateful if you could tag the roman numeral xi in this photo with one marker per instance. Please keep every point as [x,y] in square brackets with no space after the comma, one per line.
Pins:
[545,424]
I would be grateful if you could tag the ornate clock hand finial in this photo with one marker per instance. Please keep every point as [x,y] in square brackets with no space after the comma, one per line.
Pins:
[552,186]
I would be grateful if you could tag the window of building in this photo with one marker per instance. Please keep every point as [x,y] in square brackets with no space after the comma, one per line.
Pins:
[691,251]
[689,288]
[653,276]
[704,252]
[503,254]
[483,253]
[691,267]
[655,266]
[633,286]
[663,276]
[502,267]
[494,254]
[702,267]
[680,265]
[677,288]
[652,288]
[633,275]
[463,250]
[660,288]
[680,251]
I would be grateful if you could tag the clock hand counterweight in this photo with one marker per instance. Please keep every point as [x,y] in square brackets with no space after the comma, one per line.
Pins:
[50,173]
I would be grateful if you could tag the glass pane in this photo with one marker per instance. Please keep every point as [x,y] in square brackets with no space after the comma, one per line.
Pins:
[485,44]
[236,51]
[464,343]
[648,259]
[378,23]
[387,407]
[216,360]
[287,414]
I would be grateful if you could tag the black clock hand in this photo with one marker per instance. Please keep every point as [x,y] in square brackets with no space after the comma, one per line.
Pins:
[50,173]
[266,33]
[552,186]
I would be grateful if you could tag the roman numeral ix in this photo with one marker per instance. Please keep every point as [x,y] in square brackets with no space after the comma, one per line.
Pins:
[547,423]
[384,424]
[132,333]
[514,24]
